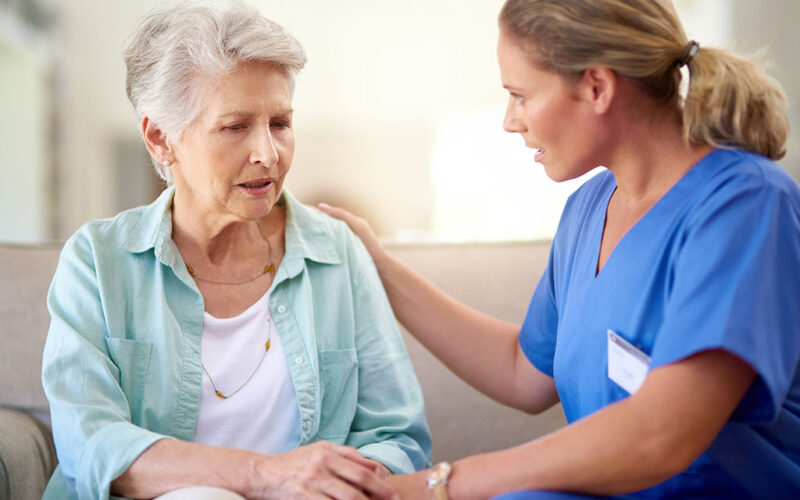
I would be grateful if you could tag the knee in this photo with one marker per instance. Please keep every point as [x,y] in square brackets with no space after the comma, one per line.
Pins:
[201,493]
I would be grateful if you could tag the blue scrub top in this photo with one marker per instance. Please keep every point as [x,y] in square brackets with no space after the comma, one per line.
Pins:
[714,264]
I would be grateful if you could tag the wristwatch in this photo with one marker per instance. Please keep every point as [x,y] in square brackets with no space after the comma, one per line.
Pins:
[437,479]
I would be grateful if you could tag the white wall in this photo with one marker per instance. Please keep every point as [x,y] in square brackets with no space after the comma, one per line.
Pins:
[382,79]
[93,111]
[381,75]
[772,25]
[24,149]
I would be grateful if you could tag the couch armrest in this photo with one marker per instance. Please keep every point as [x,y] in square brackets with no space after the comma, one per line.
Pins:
[27,456]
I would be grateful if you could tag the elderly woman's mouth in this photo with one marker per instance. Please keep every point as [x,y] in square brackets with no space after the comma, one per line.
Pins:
[257,186]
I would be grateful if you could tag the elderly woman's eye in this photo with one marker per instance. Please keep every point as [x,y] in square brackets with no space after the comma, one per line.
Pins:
[280,124]
[235,126]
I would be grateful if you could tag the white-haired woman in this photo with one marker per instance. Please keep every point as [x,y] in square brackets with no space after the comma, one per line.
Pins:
[667,321]
[225,335]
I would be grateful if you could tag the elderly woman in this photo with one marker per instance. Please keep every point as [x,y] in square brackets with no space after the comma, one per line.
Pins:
[211,337]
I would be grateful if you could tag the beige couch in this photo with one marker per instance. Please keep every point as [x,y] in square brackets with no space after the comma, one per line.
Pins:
[495,278]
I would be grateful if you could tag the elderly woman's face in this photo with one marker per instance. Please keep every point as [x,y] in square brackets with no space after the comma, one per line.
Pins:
[232,160]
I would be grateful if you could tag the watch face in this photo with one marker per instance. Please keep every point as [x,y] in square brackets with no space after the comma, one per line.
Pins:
[439,473]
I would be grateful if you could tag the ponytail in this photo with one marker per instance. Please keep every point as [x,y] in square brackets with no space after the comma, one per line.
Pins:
[732,102]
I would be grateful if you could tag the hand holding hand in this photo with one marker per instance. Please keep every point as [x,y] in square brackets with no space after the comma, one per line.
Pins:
[321,471]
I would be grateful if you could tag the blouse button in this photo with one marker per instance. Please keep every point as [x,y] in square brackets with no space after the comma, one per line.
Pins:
[281,309]
[299,360]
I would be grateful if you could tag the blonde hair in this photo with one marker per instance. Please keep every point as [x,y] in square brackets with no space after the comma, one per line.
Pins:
[174,46]
[730,103]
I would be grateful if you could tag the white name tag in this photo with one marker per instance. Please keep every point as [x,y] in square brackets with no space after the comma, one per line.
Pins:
[627,365]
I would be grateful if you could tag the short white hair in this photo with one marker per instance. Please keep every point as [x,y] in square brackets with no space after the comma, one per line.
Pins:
[176,47]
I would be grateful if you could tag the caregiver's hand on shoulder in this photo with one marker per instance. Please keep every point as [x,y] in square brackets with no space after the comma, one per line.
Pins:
[321,471]
[358,225]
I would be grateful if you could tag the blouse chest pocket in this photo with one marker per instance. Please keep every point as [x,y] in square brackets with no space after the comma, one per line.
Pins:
[339,384]
[132,357]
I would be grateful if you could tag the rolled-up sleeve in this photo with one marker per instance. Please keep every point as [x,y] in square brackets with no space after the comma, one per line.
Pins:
[389,424]
[91,417]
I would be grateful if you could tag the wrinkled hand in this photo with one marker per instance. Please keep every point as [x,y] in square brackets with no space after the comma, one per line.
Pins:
[321,471]
[359,226]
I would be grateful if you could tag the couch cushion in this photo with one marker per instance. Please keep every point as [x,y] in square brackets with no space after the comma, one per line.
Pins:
[25,274]
[27,456]
[463,421]
[497,279]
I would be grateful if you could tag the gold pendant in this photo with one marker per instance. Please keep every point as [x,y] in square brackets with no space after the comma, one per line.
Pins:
[220,395]
[267,346]
[269,269]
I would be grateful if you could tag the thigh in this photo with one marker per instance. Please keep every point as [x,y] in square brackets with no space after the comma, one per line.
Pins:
[201,493]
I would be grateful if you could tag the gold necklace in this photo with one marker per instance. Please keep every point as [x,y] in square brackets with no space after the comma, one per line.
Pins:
[219,393]
[269,268]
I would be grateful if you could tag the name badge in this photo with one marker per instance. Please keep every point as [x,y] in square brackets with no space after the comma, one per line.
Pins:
[627,365]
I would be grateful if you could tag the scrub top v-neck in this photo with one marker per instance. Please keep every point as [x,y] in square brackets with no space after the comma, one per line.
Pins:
[714,264]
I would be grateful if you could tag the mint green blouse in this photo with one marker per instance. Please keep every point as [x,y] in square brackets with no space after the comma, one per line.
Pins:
[121,365]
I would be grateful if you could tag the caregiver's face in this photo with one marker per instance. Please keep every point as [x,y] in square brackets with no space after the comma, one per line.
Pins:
[545,109]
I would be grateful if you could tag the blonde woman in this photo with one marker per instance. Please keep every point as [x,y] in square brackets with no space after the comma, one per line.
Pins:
[667,321]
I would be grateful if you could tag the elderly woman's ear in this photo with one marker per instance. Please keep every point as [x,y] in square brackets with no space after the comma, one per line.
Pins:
[155,139]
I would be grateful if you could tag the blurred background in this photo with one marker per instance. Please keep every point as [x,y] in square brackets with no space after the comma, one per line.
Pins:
[398,114]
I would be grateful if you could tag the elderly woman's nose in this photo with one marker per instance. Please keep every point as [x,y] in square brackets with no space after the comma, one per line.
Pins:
[264,150]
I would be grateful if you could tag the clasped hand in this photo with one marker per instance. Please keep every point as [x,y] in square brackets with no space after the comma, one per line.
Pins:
[324,470]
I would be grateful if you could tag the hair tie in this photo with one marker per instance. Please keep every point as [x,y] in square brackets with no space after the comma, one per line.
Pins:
[688,53]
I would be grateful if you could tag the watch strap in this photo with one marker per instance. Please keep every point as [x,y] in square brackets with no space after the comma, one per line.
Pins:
[437,480]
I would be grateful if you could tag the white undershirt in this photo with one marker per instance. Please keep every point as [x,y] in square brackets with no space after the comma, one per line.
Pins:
[263,416]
